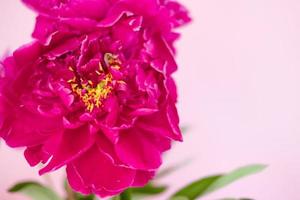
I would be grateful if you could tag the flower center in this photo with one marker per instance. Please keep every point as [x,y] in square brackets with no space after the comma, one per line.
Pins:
[91,94]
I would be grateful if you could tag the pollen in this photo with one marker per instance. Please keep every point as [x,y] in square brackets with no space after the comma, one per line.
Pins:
[91,94]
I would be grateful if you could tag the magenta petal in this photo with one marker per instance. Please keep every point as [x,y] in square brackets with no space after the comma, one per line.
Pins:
[107,147]
[77,184]
[66,96]
[44,27]
[94,9]
[71,124]
[143,111]
[127,31]
[139,6]
[173,118]
[111,106]
[52,144]
[76,181]
[82,24]
[171,89]
[29,129]
[27,54]
[142,178]
[41,5]
[160,50]
[8,67]
[114,15]
[165,123]
[68,151]
[66,46]
[1,125]
[110,133]
[162,143]
[75,8]
[35,155]
[98,173]
[106,193]
[142,155]
[179,14]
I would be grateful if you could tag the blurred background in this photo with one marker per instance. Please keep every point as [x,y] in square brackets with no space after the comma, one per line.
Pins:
[239,87]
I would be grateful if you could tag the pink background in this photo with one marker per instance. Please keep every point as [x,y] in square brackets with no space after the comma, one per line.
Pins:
[239,94]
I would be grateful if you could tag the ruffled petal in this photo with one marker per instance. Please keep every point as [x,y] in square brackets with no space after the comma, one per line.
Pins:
[142,178]
[94,172]
[143,155]
[27,54]
[165,123]
[128,31]
[35,155]
[138,7]
[178,13]
[29,129]
[163,56]
[94,9]
[81,141]
[171,89]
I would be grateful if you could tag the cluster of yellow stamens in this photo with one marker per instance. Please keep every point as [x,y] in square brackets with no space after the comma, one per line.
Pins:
[92,95]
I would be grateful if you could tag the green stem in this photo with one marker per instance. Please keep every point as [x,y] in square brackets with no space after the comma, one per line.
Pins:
[126,195]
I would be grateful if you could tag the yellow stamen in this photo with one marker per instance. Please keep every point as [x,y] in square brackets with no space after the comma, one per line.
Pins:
[93,95]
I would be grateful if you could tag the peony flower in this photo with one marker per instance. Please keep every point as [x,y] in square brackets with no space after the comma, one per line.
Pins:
[94,92]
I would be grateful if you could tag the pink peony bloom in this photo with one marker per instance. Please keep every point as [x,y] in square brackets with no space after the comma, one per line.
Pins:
[94,91]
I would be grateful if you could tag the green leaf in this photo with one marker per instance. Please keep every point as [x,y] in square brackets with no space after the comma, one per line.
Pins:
[196,189]
[35,191]
[234,176]
[179,198]
[141,192]
[210,184]
[126,195]
[80,197]
[149,189]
